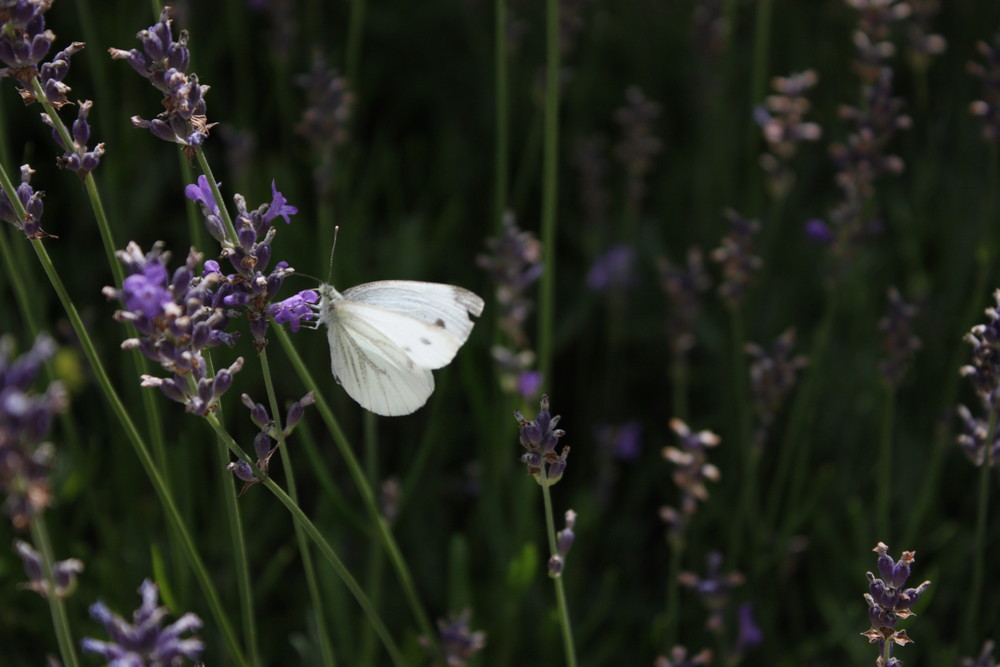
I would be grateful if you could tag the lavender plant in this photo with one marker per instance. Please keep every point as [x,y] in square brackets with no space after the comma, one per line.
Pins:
[889,602]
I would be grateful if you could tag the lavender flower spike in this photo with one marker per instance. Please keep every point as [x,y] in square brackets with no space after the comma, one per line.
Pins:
[144,641]
[31,201]
[540,437]
[888,601]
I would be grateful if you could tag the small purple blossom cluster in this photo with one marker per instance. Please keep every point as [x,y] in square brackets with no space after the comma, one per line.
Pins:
[31,200]
[514,263]
[613,270]
[266,442]
[773,374]
[739,264]
[144,641]
[898,340]
[683,286]
[872,37]
[64,572]
[458,642]
[177,317]
[24,42]
[691,472]
[679,658]
[974,440]
[539,436]
[782,123]
[987,107]
[78,157]
[888,602]
[25,418]
[329,102]
[638,146]
[163,61]
[715,589]
[984,371]
[564,542]
[249,287]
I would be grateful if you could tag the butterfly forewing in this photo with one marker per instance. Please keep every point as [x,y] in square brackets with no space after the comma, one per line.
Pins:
[446,306]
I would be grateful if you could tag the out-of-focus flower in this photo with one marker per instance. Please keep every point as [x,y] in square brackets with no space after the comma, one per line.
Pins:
[325,120]
[64,572]
[984,371]
[266,442]
[679,658]
[987,107]
[898,340]
[715,589]
[773,374]
[985,658]
[782,123]
[613,269]
[739,264]
[144,641]
[638,145]
[25,417]
[623,441]
[683,286]
[924,44]
[974,439]
[458,642]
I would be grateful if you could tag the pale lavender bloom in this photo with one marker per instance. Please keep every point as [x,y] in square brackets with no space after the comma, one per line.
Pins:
[613,269]
[973,439]
[739,264]
[679,658]
[529,383]
[782,123]
[985,658]
[624,441]
[201,192]
[750,634]
[692,466]
[64,572]
[25,418]
[458,642]
[715,589]
[984,371]
[145,642]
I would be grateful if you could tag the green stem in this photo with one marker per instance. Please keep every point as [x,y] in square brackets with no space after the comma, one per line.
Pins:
[883,473]
[741,395]
[364,489]
[152,471]
[567,630]
[60,622]
[979,545]
[550,194]
[502,91]
[355,32]
[206,169]
[317,538]
[673,594]
[326,648]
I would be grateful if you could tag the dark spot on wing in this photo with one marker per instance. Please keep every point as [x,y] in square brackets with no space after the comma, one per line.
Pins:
[439,323]
[425,341]
[407,349]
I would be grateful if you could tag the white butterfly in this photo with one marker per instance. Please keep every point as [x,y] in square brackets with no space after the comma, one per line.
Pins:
[386,336]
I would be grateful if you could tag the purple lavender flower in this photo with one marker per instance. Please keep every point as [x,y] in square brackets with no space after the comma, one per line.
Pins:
[31,222]
[458,642]
[782,124]
[25,418]
[163,61]
[324,124]
[78,157]
[24,41]
[715,589]
[540,437]
[984,371]
[985,658]
[265,443]
[773,374]
[177,318]
[974,439]
[988,106]
[683,286]
[295,309]
[613,269]
[638,146]
[750,634]
[739,264]
[898,340]
[529,383]
[201,192]
[514,264]
[888,601]
[144,641]
[924,45]
[279,207]
[692,466]
[679,658]
[64,572]
[871,38]
[623,441]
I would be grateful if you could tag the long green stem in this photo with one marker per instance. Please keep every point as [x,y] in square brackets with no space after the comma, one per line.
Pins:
[317,538]
[364,488]
[979,545]
[138,445]
[502,93]
[326,648]
[60,622]
[567,629]
[550,194]
[673,614]
[883,476]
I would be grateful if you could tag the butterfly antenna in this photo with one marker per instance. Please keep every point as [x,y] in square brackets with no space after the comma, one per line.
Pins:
[329,273]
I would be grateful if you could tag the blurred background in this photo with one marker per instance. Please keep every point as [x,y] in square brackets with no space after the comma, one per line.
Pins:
[383,118]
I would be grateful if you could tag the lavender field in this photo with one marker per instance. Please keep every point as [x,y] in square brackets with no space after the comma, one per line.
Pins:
[701,367]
